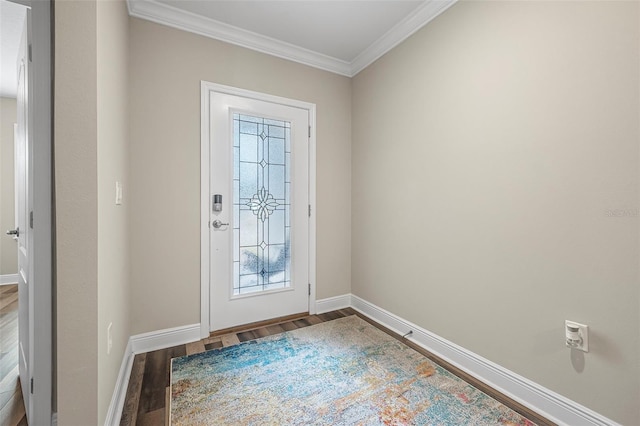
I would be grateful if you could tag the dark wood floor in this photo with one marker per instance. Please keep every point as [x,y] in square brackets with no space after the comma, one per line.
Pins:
[11,405]
[148,392]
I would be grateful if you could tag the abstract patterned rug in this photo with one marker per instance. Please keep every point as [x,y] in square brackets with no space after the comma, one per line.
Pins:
[340,372]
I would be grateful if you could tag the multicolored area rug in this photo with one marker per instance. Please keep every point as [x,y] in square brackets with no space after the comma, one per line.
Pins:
[341,372]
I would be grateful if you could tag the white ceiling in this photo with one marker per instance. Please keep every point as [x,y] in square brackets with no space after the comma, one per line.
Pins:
[11,20]
[339,36]
[339,29]
[343,37]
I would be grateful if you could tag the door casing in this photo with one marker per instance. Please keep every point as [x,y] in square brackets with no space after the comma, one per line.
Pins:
[22,145]
[206,89]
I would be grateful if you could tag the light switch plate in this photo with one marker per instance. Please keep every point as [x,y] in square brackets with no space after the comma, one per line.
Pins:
[109,338]
[118,193]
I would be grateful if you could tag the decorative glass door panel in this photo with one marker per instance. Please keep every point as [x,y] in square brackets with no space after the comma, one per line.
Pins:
[258,233]
[261,187]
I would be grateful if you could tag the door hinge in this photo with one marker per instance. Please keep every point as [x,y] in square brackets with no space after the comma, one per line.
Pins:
[309,210]
[30,55]
[309,289]
[32,385]
[309,131]
[31,219]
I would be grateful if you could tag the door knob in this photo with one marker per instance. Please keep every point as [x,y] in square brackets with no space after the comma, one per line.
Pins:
[217,224]
[15,232]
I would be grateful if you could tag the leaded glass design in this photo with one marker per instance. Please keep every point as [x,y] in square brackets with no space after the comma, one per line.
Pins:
[261,204]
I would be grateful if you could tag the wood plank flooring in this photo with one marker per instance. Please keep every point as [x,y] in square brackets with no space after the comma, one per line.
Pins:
[12,410]
[148,395]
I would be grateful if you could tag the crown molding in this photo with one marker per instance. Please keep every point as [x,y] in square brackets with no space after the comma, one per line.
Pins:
[164,14]
[420,17]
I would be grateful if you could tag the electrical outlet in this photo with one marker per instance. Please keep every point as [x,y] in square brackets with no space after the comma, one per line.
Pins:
[109,338]
[576,336]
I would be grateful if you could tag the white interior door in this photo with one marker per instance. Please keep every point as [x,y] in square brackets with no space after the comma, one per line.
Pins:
[259,234]
[22,220]
[32,138]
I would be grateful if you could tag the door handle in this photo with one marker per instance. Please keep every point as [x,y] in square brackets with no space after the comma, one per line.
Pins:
[15,232]
[217,224]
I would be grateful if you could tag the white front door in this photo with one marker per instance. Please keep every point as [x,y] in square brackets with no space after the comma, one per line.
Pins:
[259,230]
[25,286]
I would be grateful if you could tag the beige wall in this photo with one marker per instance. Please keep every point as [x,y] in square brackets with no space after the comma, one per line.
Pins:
[8,248]
[166,67]
[91,154]
[113,220]
[75,146]
[489,151]
[501,137]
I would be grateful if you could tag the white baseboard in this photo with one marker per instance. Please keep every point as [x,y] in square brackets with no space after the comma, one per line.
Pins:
[8,279]
[549,404]
[120,391]
[140,343]
[333,303]
[166,338]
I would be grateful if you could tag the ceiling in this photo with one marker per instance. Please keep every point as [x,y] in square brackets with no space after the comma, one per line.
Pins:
[339,29]
[11,20]
[343,37]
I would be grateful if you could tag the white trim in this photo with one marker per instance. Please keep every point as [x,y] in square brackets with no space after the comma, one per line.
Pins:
[204,210]
[120,391]
[161,339]
[140,343]
[549,404]
[41,238]
[8,279]
[333,303]
[164,14]
[420,17]
[205,89]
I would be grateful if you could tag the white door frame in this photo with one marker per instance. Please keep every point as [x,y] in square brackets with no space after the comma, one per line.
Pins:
[40,203]
[42,206]
[205,194]
[22,161]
